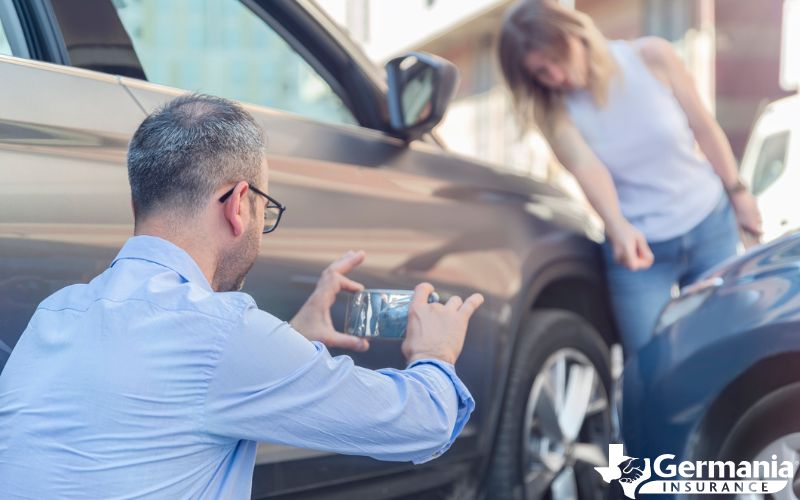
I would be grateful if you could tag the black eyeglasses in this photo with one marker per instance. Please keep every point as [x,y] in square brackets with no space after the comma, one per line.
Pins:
[272,213]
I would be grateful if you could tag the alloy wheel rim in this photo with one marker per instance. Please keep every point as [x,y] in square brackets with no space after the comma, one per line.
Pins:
[566,397]
[786,447]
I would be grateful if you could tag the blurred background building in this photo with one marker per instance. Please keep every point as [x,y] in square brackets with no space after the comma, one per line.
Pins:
[732,47]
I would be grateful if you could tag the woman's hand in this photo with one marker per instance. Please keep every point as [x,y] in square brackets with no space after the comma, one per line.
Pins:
[629,245]
[747,214]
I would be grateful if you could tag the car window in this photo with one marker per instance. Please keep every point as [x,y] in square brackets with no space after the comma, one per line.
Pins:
[12,39]
[5,46]
[221,47]
[771,161]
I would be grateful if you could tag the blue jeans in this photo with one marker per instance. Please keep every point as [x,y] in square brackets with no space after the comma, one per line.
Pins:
[637,297]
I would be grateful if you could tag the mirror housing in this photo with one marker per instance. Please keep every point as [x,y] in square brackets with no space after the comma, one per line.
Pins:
[420,88]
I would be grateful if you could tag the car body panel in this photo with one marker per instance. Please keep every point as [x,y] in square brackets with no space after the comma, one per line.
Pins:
[65,204]
[683,391]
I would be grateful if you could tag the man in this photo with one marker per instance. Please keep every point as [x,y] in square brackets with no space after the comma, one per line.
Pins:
[158,377]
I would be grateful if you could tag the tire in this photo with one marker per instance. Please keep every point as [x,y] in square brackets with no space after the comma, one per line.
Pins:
[553,342]
[768,427]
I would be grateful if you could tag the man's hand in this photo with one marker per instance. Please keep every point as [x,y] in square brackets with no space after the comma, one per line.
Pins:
[436,330]
[313,320]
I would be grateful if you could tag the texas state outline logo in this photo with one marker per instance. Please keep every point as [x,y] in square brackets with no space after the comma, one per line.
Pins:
[629,471]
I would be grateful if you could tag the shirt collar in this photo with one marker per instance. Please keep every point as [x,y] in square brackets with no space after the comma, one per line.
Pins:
[164,253]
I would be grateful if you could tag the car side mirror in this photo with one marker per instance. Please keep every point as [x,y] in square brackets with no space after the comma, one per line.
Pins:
[420,88]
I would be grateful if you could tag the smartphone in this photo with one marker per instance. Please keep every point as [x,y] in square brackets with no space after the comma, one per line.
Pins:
[380,313]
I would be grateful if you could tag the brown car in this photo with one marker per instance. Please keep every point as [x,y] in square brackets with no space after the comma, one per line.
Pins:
[353,157]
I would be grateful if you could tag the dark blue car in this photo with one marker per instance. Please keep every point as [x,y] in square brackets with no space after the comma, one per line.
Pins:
[721,377]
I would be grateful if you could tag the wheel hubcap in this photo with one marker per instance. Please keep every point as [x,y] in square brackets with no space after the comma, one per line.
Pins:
[566,426]
[785,448]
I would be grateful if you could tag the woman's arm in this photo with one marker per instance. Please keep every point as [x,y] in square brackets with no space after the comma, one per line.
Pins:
[630,246]
[665,64]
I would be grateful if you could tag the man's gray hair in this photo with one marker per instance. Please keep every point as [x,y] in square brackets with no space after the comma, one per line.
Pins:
[187,149]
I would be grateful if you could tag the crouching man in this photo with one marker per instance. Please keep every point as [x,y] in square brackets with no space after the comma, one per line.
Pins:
[159,377]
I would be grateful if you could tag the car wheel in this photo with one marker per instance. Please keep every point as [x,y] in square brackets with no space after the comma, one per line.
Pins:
[770,427]
[556,425]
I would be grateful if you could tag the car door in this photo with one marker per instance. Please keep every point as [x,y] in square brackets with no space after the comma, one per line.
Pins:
[64,196]
[346,185]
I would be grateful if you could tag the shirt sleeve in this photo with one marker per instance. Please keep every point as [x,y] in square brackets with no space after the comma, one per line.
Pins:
[273,385]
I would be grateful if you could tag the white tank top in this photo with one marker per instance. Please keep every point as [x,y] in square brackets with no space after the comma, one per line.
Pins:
[665,185]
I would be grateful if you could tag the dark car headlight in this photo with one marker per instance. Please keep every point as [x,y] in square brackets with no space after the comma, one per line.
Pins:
[690,299]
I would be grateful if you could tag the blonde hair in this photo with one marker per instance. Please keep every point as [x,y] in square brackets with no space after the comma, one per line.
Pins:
[546,25]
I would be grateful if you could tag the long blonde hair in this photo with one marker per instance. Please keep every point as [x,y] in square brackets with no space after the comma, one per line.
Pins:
[546,25]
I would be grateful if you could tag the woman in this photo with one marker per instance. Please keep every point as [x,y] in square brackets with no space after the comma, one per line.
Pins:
[625,119]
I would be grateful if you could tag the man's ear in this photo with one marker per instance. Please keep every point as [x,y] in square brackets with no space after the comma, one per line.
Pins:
[233,208]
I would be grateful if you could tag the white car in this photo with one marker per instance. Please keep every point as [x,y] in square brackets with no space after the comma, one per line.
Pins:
[771,166]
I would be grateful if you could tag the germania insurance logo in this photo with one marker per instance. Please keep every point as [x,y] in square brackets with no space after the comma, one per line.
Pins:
[665,476]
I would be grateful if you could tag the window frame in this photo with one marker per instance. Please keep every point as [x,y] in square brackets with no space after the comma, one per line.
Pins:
[42,34]
[12,28]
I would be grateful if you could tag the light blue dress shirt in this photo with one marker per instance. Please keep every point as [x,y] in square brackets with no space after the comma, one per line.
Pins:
[146,382]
